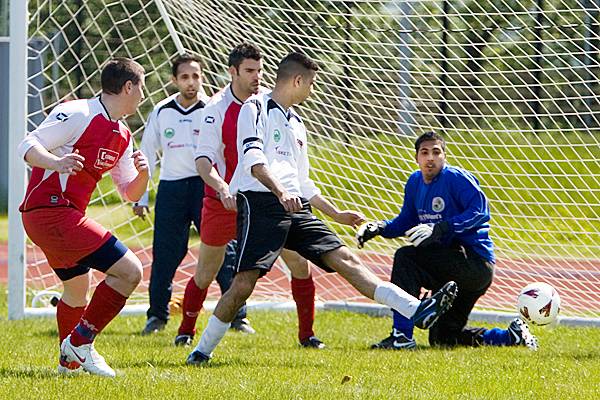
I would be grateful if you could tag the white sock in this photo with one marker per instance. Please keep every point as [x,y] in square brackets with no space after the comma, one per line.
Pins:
[212,335]
[392,296]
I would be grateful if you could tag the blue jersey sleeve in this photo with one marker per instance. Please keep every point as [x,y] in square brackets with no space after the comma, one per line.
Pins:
[408,216]
[469,194]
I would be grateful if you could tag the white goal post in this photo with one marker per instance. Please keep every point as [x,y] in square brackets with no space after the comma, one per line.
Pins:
[512,85]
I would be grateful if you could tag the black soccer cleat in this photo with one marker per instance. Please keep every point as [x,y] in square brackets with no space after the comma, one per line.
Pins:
[396,341]
[183,340]
[243,326]
[520,334]
[312,342]
[433,307]
[153,325]
[197,358]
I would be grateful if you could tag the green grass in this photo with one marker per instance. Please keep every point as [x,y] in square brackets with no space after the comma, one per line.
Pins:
[270,365]
[3,228]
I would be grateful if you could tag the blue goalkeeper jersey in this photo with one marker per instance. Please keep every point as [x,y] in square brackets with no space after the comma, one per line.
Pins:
[454,196]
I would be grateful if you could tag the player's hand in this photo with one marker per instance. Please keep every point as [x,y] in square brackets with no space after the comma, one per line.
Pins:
[368,231]
[70,163]
[141,211]
[140,162]
[349,217]
[425,235]
[227,199]
[290,203]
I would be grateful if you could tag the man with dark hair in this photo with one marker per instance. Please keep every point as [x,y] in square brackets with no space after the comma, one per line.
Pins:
[274,199]
[76,144]
[216,161]
[445,217]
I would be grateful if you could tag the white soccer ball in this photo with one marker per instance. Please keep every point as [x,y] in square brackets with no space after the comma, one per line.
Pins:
[538,303]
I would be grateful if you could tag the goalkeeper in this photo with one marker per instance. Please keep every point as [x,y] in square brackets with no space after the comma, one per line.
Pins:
[445,217]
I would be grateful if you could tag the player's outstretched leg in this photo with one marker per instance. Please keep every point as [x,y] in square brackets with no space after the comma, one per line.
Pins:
[108,299]
[423,313]
[218,323]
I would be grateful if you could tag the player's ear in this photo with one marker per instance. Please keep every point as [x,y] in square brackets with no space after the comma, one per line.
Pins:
[174,80]
[232,70]
[128,87]
[298,81]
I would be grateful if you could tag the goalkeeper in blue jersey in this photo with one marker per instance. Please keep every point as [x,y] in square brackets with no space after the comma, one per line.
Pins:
[445,217]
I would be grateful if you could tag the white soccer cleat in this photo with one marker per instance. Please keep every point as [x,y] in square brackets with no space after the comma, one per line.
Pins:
[87,356]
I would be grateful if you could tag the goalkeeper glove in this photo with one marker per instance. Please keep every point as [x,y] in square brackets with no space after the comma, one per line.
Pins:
[425,235]
[368,231]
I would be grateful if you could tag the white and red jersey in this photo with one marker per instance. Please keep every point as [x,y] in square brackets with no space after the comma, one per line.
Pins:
[106,145]
[218,134]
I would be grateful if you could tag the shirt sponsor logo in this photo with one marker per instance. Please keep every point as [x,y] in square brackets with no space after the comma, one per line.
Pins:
[169,133]
[425,218]
[173,145]
[62,117]
[106,158]
[438,204]
[185,120]
[279,151]
[209,119]
[276,135]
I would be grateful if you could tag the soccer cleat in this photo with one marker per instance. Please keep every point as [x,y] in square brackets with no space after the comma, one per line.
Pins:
[153,325]
[197,358]
[312,342]
[184,340]
[87,356]
[433,307]
[243,326]
[521,335]
[68,368]
[396,341]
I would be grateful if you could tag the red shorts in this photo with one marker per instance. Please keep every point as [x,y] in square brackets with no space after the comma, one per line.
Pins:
[218,226]
[64,234]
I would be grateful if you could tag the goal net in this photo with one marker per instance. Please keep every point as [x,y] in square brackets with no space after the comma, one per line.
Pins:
[512,85]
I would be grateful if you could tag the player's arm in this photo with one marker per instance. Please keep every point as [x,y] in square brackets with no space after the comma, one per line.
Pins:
[254,161]
[149,146]
[58,129]
[208,144]
[346,217]
[131,174]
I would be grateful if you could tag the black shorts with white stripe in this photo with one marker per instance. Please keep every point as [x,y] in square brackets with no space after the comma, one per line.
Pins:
[264,228]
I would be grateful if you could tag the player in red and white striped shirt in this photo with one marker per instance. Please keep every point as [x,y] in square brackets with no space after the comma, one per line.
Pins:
[70,151]
[216,161]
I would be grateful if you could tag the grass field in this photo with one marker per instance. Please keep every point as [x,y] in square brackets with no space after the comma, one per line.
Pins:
[270,365]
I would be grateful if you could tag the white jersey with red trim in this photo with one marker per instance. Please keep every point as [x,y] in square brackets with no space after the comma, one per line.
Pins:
[106,145]
[218,134]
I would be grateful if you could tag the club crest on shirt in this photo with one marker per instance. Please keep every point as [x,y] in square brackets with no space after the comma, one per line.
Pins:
[169,133]
[276,135]
[106,158]
[437,204]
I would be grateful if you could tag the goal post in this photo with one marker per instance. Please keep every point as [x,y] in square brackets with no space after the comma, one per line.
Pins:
[513,87]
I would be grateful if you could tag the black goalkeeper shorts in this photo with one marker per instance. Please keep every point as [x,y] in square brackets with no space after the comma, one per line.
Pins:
[264,228]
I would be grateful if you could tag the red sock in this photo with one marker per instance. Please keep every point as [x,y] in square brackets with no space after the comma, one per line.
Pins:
[303,291]
[104,307]
[193,300]
[67,318]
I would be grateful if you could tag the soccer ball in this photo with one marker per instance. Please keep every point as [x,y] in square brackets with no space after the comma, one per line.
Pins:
[538,303]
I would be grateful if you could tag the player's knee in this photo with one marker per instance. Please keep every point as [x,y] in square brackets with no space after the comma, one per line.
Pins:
[133,273]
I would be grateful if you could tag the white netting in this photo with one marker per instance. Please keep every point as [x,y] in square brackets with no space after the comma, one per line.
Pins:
[511,84]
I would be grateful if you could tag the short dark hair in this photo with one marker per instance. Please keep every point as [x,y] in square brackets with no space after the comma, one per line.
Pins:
[427,136]
[294,64]
[117,72]
[184,59]
[241,52]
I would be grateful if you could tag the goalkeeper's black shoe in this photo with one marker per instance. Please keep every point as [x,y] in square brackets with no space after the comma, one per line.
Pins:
[520,334]
[312,342]
[396,341]
[243,326]
[184,340]
[197,358]
[153,325]
[433,307]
